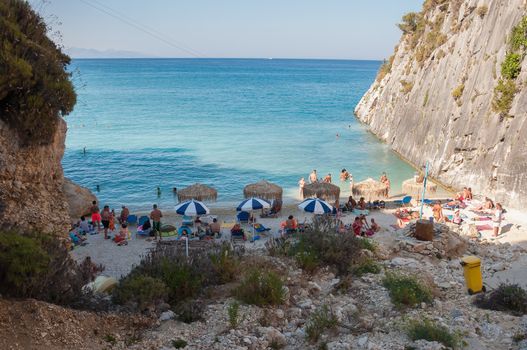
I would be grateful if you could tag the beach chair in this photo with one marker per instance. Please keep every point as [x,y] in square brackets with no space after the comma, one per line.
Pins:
[132,219]
[187,221]
[404,202]
[142,220]
[260,228]
[243,217]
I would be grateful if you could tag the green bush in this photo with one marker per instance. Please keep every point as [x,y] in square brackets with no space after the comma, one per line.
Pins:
[410,22]
[518,38]
[385,68]
[430,331]
[503,96]
[233,312]
[367,266]
[511,298]
[39,266]
[35,90]
[261,288]
[226,264]
[182,280]
[179,343]
[307,260]
[321,320]
[406,290]
[511,66]
[190,311]
[140,289]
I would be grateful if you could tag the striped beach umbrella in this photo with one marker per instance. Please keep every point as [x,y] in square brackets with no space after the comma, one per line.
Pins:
[253,203]
[192,208]
[315,206]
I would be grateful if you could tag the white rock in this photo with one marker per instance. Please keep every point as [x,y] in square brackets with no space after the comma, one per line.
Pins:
[167,315]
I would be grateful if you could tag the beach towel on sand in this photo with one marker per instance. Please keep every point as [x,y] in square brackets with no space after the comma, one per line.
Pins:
[484,227]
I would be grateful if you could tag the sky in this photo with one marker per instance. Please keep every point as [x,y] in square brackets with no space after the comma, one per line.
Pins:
[338,29]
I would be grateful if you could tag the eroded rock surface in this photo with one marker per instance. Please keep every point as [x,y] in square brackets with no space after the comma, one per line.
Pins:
[415,109]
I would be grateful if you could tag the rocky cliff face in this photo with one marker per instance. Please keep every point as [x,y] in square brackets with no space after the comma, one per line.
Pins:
[32,194]
[433,100]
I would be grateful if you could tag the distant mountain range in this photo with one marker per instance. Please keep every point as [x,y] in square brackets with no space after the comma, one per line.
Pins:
[77,52]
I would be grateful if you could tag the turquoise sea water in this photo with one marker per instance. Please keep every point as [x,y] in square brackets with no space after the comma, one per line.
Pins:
[224,122]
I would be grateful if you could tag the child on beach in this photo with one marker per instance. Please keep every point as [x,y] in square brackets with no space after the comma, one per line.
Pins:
[112,221]
[301,184]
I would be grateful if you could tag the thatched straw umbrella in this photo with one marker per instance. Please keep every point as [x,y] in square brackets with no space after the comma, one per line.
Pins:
[263,189]
[412,188]
[323,190]
[370,189]
[198,192]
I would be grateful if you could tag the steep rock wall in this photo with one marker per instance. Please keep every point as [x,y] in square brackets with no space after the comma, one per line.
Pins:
[31,184]
[412,105]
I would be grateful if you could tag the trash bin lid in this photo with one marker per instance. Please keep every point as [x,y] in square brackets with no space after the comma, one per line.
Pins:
[471,260]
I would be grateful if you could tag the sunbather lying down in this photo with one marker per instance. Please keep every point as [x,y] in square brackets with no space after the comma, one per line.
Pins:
[404,216]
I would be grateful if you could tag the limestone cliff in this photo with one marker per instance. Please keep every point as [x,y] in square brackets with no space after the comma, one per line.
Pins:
[31,180]
[433,100]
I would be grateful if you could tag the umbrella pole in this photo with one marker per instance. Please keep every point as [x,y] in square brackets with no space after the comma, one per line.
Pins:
[186,247]
[424,192]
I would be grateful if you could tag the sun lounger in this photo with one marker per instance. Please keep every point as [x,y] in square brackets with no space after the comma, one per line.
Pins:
[260,228]
[132,219]
[243,217]
[404,202]
[142,220]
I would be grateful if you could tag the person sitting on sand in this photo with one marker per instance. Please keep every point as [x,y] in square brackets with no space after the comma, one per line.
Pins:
[214,228]
[291,224]
[357,226]
[344,175]
[374,226]
[460,196]
[95,215]
[404,216]
[84,226]
[438,212]
[361,204]
[456,219]
[351,204]
[237,231]
[123,218]
[122,236]
[313,177]
[327,179]
[470,196]
[341,227]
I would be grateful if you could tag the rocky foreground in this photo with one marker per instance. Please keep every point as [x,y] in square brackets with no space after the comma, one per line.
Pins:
[366,317]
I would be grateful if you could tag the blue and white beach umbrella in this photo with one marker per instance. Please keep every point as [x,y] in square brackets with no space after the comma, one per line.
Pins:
[191,208]
[315,206]
[253,203]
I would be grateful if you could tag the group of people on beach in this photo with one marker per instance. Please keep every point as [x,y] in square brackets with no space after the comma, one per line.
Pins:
[105,221]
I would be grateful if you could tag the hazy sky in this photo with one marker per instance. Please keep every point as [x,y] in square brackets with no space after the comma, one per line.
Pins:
[356,29]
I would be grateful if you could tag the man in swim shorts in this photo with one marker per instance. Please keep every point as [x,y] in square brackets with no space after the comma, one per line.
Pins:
[95,215]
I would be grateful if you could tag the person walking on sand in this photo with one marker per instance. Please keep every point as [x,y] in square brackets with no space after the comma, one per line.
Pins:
[384,179]
[301,184]
[313,177]
[156,216]
[95,215]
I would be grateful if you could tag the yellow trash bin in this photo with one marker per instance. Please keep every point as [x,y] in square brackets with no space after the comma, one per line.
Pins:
[472,271]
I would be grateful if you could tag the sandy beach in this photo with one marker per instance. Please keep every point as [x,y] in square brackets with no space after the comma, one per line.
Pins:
[119,260]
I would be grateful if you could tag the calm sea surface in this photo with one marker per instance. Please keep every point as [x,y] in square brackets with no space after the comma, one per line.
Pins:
[148,123]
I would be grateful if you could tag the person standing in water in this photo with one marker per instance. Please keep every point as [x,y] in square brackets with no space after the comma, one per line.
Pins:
[313,177]
[156,216]
[301,184]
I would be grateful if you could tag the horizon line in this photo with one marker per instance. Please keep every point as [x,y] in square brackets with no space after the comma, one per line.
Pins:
[227,58]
